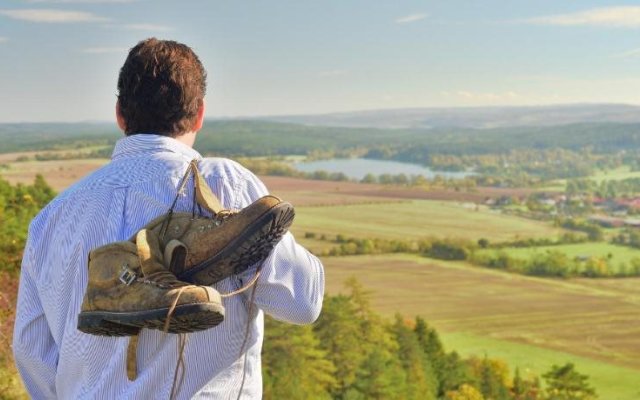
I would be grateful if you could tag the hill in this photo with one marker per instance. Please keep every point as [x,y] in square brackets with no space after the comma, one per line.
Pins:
[472,117]
[264,138]
[51,136]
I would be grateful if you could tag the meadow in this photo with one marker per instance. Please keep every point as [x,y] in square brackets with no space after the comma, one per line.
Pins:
[611,381]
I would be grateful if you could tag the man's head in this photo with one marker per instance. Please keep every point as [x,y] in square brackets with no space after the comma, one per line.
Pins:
[161,89]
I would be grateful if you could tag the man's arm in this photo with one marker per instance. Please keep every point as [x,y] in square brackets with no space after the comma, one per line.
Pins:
[34,350]
[291,283]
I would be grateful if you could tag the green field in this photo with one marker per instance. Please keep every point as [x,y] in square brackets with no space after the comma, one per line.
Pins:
[616,254]
[617,174]
[531,322]
[611,381]
[417,219]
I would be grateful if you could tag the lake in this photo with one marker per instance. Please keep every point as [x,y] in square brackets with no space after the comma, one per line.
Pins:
[357,168]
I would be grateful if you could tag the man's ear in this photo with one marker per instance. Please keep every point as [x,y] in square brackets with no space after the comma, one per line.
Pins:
[199,117]
[119,118]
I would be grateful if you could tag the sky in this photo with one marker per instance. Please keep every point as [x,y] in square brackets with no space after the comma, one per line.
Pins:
[59,59]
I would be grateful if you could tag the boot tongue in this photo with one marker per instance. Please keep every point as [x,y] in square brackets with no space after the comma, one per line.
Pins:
[175,256]
[149,253]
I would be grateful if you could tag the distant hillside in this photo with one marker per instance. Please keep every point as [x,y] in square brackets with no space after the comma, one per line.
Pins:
[260,138]
[473,117]
[269,138]
[51,136]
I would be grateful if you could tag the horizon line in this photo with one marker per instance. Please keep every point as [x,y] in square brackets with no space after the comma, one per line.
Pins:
[353,111]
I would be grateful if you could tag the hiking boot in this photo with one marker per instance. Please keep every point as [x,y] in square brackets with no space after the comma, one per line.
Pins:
[205,250]
[129,288]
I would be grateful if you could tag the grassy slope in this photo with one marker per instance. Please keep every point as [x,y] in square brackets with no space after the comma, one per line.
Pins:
[611,382]
[517,318]
[417,219]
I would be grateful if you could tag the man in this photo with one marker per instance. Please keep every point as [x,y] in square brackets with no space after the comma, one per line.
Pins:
[160,108]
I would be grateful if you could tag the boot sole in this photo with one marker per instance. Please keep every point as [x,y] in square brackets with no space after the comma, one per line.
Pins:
[250,247]
[186,318]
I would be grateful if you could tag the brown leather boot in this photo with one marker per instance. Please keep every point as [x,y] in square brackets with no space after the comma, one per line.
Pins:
[205,250]
[130,288]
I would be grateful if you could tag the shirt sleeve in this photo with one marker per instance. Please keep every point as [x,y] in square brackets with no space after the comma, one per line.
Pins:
[291,283]
[34,349]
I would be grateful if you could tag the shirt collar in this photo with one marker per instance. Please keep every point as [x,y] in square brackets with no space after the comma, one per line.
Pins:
[134,145]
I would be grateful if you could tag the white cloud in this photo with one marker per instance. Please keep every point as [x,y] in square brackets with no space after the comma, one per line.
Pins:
[105,50]
[407,19]
[3,39]
[482,96]
[629,53]
[148,27]
[618,17]
[333,72]
[51,16]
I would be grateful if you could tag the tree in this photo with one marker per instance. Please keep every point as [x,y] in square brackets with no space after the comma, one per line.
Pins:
[295,365]
[421,382]
[359,344]
[525,389]
[454,373]
[565,383]
[448,250]
[491,377]
[380,376]
[465,392]
[572,188]
[338,330]
[18,205]
[432,350]
[551,263]
[369,178]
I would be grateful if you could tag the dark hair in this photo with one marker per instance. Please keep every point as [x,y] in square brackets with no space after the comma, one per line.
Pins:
[160,88]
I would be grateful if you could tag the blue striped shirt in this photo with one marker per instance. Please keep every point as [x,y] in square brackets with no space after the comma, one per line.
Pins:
[56,360]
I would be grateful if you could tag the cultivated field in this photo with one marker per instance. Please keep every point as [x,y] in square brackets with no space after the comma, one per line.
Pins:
[67,153]
[62,173]
[530,322]
[292,187]
[59,174]
[418,219]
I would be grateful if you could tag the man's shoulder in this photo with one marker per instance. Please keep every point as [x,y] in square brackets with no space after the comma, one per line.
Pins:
[93,186]
[224,168]
[245,186]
